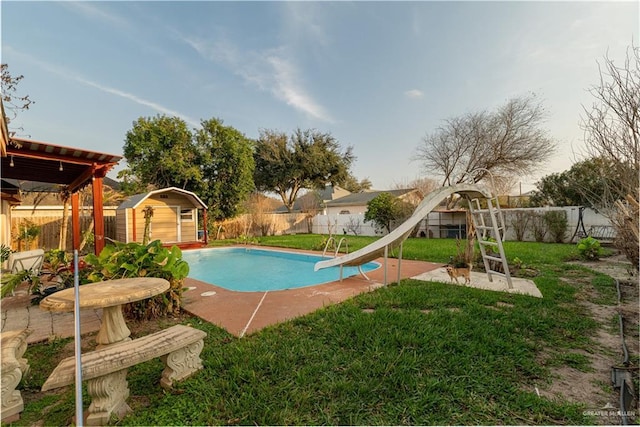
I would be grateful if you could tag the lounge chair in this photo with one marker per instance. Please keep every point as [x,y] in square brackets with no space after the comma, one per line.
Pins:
[27,260]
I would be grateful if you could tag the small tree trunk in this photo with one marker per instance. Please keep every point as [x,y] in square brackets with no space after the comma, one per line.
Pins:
[62,242]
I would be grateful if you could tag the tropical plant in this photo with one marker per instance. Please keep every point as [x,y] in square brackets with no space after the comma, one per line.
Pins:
[127,260]
[5,252]
[148,214]
[589,248]
[27,233]
[12,280]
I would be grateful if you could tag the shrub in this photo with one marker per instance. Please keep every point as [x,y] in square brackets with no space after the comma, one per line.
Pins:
[520,222]
[589,248]
[538,227]
[556,222]
[125,260]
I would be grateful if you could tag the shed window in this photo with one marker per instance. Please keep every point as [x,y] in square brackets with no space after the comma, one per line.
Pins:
[186,215]
[344,212]
[164,196]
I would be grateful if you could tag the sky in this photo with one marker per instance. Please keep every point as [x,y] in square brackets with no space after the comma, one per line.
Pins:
[378,76]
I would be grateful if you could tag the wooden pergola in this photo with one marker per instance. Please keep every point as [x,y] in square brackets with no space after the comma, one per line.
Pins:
[72,168]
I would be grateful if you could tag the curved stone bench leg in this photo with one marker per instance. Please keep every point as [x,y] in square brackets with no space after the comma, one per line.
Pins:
[181,363]
[12,403]
[108,396]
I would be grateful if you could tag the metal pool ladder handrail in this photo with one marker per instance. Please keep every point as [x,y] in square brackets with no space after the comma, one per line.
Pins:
[333,239]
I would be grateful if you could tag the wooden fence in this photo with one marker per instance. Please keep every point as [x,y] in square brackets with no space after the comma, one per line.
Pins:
[49,234]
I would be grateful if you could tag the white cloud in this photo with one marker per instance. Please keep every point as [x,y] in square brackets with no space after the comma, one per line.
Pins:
[414,94]
[270,70]
[91,10]
[288,90]
[63,72]
[155,106]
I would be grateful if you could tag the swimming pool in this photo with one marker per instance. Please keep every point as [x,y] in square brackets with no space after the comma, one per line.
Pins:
[254,270]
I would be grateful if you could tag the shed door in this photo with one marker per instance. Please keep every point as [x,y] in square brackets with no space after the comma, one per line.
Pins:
[164,224]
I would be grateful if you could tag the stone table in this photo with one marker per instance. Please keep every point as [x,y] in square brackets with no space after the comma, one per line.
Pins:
[109,295]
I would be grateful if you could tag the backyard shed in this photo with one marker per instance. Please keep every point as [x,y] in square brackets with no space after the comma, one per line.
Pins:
[174,218]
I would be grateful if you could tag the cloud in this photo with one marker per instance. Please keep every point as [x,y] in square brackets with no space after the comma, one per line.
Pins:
[91,10]
[65,73]
[287,89]
[270,70]
[414,94]
[155,106]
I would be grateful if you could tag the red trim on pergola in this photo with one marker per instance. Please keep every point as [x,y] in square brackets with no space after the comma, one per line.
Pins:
[72,168]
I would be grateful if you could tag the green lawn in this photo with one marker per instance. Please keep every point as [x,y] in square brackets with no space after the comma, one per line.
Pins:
[410,353]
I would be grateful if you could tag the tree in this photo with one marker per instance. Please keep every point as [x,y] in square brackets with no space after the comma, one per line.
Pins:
[160,151]
[581,185]
[612,131]
[612,126]
[353,185]
[382,210]
[424,185]
[505,142]
[307,159]
[216,163]
[227,168]
[10,98]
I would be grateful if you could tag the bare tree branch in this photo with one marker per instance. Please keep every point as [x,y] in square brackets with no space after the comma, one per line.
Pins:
[507,142]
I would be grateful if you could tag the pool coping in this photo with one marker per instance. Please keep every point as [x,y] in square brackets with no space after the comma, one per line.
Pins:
[242,313]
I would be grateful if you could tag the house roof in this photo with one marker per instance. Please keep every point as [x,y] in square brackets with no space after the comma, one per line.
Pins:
[359,199]
[135,200]
[314,197]
[39,161]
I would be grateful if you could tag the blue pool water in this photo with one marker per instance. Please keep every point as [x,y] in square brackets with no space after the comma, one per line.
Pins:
[251,270]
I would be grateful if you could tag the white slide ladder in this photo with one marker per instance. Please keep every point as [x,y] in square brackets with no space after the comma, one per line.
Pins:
[490,232]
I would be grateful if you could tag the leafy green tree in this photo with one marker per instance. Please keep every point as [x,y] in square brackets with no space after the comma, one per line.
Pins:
[227,168]
[582,185]
[383,210]
[353,185]
[160,151]
[215,162]
[307,159]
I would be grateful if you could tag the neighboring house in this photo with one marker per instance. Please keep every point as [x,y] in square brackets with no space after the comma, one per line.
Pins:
[174,220]
[356,203]
[315,200]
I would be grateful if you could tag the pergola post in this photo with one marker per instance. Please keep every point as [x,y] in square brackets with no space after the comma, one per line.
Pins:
[98,214]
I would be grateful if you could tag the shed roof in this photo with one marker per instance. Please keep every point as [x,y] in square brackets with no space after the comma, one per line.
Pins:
[135,200]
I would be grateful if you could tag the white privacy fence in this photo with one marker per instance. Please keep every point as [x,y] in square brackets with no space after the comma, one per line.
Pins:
[451,224]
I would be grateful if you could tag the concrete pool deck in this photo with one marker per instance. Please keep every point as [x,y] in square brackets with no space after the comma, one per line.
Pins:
[242,313]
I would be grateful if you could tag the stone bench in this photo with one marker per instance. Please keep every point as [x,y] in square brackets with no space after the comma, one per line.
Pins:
[13,344]
[105,370]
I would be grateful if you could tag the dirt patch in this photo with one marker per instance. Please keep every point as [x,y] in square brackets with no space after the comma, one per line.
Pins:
[594,388]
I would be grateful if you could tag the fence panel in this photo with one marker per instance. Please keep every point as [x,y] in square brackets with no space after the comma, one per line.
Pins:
[50,226]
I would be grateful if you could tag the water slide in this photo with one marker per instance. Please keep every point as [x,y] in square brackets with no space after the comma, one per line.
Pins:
[394,239]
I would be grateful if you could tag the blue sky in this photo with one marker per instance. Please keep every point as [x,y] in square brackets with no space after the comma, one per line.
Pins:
[378,76]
